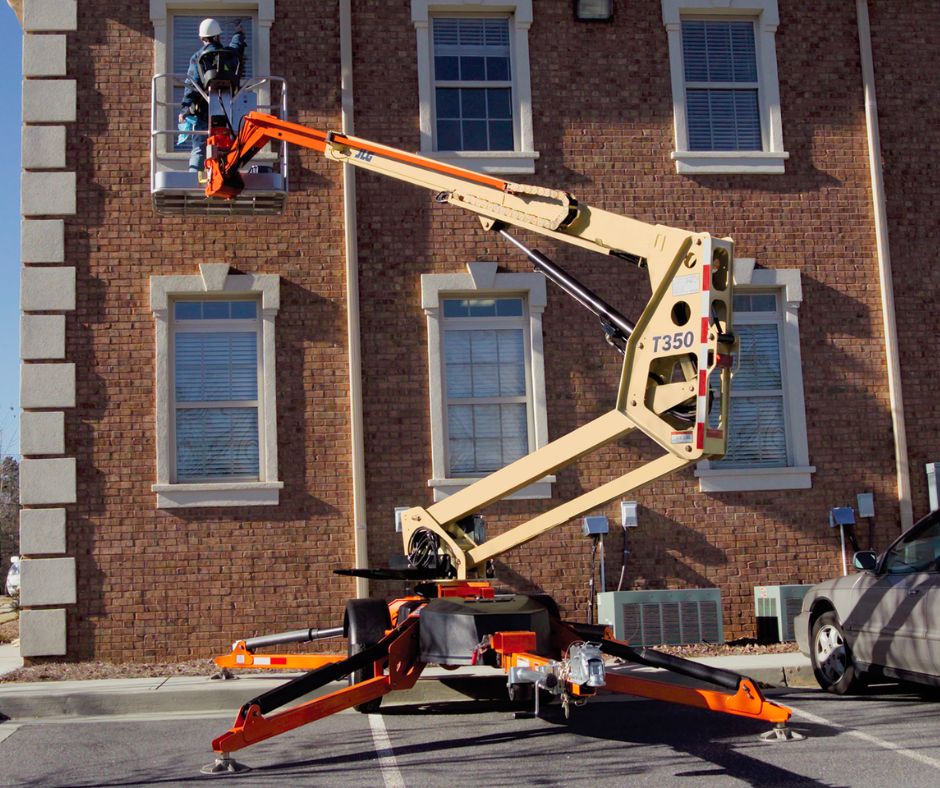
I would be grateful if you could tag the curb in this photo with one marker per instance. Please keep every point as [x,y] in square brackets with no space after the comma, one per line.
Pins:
[207,695]
[45,700]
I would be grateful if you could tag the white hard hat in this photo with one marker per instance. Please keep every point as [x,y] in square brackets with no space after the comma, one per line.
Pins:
[209,29]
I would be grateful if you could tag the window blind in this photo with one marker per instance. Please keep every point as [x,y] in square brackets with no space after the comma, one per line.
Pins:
[480,366]
[758,428]
[215,439]
[185,38]
[722,100]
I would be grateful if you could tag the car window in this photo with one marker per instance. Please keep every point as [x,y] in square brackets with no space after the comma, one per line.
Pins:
[918,551]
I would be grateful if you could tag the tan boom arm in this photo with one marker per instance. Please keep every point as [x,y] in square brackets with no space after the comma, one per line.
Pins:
[679,350]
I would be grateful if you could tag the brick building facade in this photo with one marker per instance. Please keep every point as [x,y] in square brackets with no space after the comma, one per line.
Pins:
[126,560]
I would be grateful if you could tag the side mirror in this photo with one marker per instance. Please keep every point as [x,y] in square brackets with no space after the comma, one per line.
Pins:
[865,559]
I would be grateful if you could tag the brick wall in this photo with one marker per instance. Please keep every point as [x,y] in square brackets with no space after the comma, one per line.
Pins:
[185,583]
[910,134]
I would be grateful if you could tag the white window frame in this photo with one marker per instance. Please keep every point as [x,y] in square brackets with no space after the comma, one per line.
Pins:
[764,13]
[483,281]
[518,161]
[797,474]
[214,280]
[161,15]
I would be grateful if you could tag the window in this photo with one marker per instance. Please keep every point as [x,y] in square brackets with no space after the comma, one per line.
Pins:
[767,447]
[916,551]
[485,383]
[215,388]
[472,88]
[724,82]
[721,104]
[487,378]
[473,82]
[216,350]
[185,41]
[175,29]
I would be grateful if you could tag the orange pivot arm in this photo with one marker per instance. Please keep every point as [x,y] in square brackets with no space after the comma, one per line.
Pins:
[254,724]
[746,702]
[740,697]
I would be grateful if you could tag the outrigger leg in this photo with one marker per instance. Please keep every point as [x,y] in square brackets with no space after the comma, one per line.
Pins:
[394,660]
[736,694]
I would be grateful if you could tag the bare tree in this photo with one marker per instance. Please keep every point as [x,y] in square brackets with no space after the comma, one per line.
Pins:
[9,488]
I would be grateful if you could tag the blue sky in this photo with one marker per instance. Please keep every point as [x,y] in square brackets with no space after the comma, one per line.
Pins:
[11,66]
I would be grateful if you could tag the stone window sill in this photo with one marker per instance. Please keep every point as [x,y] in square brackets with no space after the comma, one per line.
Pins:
[730,162]
[748,479]
[178,496]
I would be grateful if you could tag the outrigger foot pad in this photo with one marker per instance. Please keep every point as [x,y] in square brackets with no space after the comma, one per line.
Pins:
[224,765]
[781,732]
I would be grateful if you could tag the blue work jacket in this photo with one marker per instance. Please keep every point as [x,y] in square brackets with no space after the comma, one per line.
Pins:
[191,97]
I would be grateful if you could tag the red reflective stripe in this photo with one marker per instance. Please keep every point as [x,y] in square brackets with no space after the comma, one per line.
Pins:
[700,435]
[706,278]
[278,660]
[704,329]
[702,382]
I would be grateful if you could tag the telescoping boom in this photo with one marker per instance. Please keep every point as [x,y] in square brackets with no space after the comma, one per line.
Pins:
[674,388]
[675,381]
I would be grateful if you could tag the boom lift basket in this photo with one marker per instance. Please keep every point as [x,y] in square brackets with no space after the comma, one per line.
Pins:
[177,192]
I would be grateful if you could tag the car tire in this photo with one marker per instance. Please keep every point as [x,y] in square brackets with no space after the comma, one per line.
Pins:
[365,624]
[831,655]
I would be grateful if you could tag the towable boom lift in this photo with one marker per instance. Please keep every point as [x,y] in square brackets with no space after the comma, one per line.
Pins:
[674,387]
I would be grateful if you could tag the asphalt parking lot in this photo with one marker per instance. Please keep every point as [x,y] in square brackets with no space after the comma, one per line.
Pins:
[878,739]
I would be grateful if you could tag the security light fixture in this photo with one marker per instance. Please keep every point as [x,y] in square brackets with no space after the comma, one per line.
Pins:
[593,10]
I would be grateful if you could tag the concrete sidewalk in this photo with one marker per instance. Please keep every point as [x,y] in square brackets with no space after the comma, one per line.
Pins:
[194,694]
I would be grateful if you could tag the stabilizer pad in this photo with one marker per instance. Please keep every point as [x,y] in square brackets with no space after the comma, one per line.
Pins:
[452,628]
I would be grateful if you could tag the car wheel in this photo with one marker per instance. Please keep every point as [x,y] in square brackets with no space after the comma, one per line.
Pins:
[832,657]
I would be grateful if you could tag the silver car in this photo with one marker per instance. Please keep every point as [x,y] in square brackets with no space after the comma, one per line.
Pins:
[883,621]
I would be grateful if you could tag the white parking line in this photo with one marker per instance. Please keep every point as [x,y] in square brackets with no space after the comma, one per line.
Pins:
[926,760]
[7,730]
[383,748]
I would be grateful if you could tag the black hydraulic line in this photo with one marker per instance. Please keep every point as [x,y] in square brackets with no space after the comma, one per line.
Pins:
[617,327]
[294,636]
[609,316]
[685,667]
[382,573]
[314,679]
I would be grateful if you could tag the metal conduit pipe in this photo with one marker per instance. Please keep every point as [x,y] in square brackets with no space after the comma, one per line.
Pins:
[294,636]
[350,233]
[892,353]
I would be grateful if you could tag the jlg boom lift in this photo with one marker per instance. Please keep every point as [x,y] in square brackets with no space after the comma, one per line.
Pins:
[674,388]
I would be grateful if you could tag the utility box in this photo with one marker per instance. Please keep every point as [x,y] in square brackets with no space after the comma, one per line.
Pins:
[933,485]
[656,618]
[775,607]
